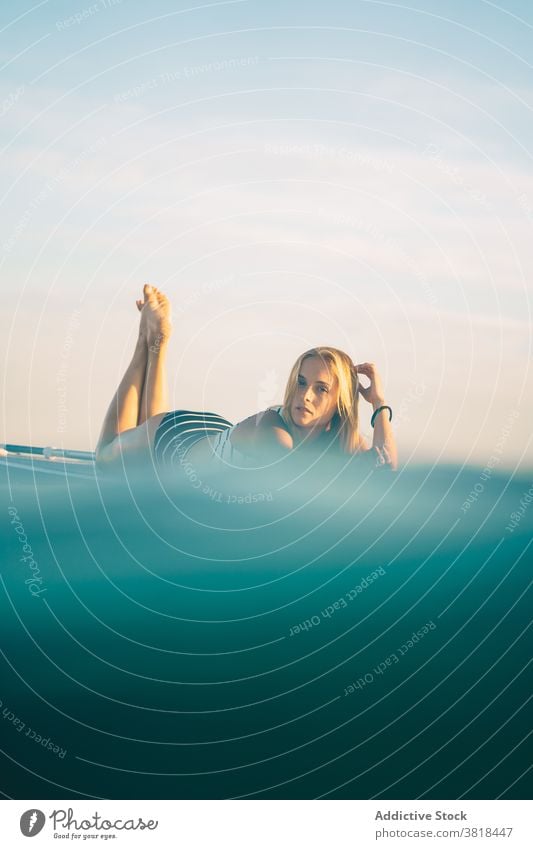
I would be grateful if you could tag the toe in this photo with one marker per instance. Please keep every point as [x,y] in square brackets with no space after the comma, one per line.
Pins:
[149,293]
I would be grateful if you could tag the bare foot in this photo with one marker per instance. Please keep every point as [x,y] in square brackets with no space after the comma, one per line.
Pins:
[156,317]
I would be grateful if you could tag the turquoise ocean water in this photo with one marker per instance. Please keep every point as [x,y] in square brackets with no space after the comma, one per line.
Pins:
[343,633]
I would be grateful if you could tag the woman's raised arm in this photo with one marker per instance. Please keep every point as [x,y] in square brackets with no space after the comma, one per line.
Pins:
[384,443]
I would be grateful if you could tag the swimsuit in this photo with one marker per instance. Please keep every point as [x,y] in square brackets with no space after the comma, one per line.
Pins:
[181,429]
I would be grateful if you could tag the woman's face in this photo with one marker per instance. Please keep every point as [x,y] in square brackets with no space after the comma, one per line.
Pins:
[315,400]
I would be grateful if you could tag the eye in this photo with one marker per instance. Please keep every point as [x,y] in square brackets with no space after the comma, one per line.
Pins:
[324,389]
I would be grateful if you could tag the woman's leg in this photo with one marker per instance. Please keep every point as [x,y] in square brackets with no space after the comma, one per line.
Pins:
[123,411]
[154,398]
[142,392]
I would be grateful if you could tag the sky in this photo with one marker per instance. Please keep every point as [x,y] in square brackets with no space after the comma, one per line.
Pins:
[355,174]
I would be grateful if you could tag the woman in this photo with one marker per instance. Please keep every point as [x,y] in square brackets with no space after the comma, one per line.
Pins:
[320,409]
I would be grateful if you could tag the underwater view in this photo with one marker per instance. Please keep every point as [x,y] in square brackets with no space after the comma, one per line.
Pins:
[343,632]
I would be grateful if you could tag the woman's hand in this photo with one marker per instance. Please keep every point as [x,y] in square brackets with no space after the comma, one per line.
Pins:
[374,393]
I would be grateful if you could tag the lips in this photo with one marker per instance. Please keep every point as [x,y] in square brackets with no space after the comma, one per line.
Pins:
[304,409]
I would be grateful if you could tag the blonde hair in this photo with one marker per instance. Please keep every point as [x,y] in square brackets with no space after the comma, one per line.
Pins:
[345,421]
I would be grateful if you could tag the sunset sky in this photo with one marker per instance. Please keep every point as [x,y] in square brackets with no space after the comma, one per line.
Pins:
[356,174]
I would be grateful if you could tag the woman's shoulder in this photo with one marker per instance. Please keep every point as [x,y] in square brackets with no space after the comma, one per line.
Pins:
[262,430]
[267,419]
